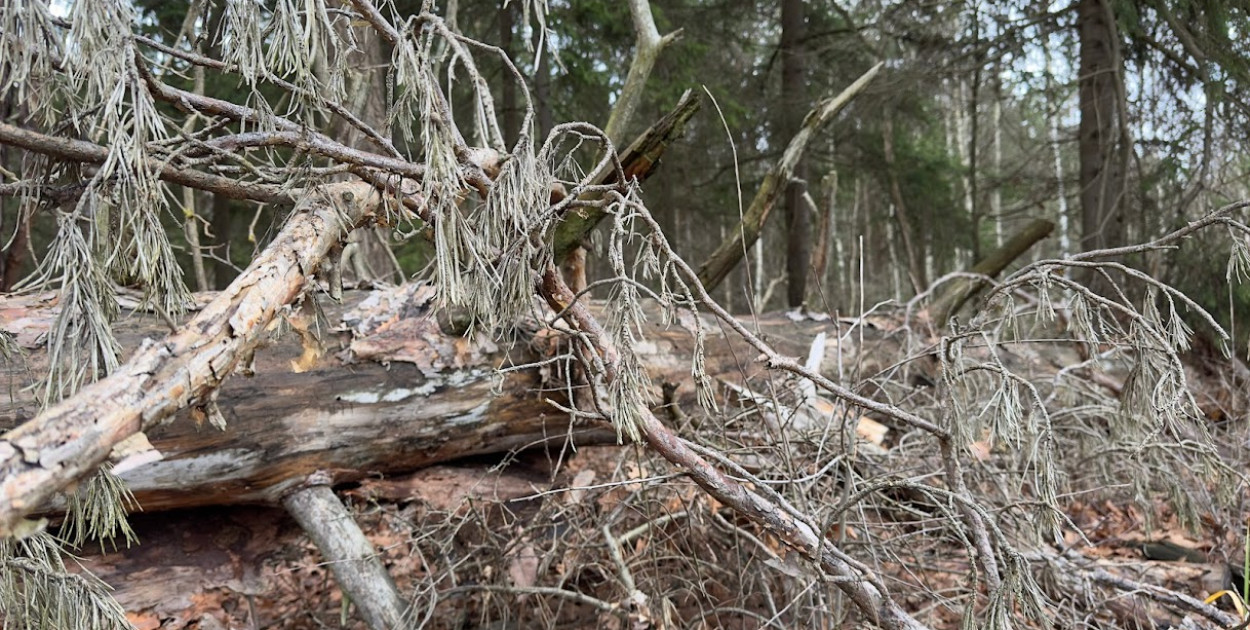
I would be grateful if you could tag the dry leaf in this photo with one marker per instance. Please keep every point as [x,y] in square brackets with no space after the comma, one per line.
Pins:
[577,490]
[523,568]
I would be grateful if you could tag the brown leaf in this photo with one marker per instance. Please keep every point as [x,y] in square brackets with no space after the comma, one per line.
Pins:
[523,568]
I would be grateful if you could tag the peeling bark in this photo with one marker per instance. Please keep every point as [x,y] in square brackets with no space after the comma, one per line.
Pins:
[386,392]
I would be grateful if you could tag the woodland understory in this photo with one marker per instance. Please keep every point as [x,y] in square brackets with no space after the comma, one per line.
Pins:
[556,421]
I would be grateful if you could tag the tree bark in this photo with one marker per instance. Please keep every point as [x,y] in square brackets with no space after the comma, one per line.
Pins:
[794,102]
[1102,215]
[383,391]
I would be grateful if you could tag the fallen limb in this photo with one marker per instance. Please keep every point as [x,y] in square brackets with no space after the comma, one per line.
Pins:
[1071,569]
[714,270]
[857,582]
[350,555]
[963,288]
[72,438]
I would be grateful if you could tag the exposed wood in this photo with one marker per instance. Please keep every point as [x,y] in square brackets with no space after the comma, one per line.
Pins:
[385,392]
[574,269]
[714,270]
[72,438]
[962,289]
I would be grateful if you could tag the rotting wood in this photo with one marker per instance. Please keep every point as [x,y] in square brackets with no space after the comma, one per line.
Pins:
[41,457]
[388,393]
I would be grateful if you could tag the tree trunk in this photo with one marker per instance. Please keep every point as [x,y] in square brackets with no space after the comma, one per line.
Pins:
[542,87]
[511,114]
[1101,179]
[907,233]
[794,104]
[824,234]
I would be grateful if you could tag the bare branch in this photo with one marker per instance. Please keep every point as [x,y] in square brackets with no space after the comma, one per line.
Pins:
[647,49]
[875,605]
[352,558]
[90,153]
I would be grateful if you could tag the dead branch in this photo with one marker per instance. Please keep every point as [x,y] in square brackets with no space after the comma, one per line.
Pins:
[350,555]
[1072,568]
[91,153]
[646,50]
[714,270]
[857,582]
[639,161]
[962,289]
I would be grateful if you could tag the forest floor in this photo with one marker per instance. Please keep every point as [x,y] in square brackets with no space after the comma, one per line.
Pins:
[251,567]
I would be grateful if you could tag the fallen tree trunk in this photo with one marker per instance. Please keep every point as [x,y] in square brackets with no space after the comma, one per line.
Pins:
[72,438]
[384,391]
[388,393]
